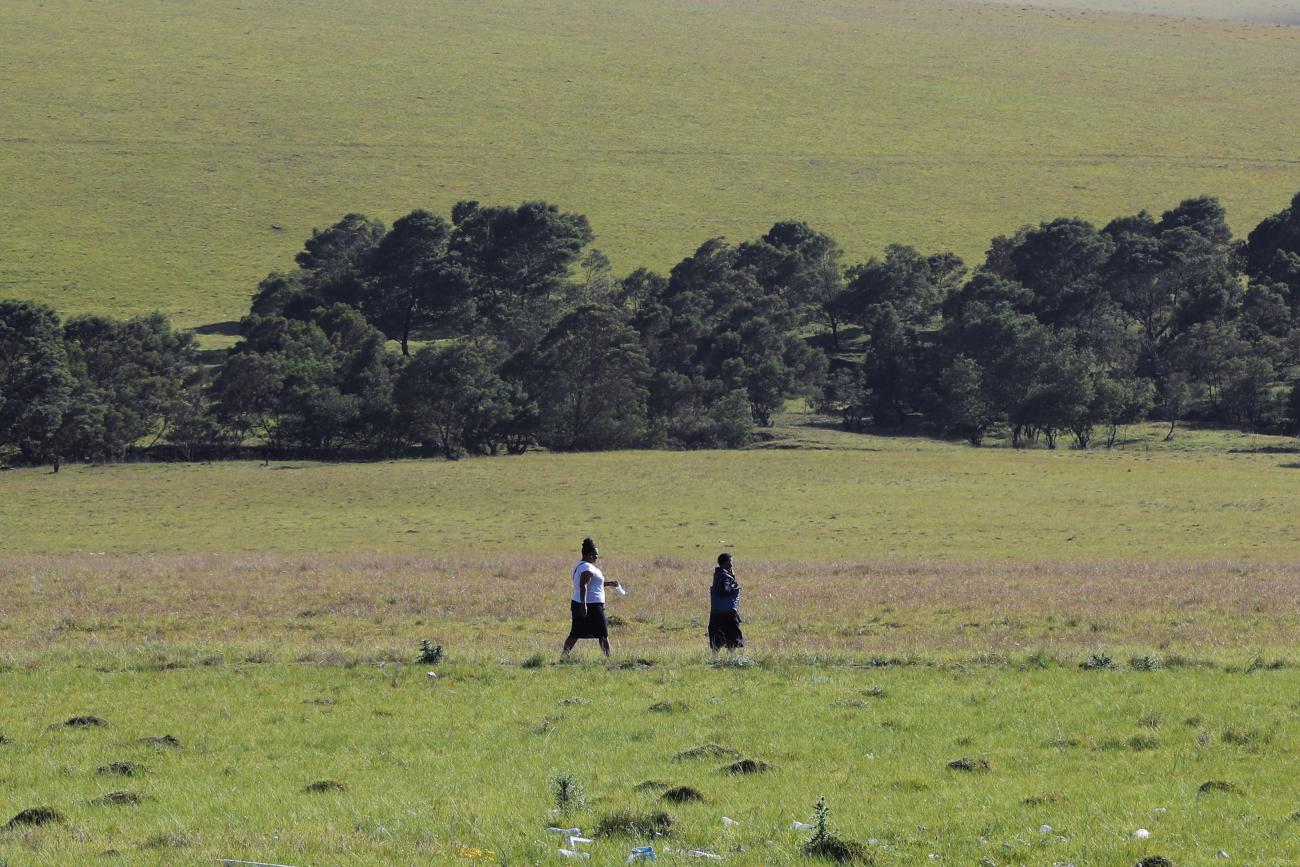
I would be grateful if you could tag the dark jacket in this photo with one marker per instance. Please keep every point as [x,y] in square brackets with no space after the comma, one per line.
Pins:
[724,595]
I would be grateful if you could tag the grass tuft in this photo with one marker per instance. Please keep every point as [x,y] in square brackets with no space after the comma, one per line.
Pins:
[626,823]
[324,786]
[35,816]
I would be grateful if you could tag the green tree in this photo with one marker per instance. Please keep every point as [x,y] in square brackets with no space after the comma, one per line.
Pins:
[333,268]
[517,262]
[589,377]
[35,386]
[413,283]
[452,398]
[134,374]
[961,406]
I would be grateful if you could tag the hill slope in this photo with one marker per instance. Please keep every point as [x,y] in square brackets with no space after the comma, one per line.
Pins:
[165,155]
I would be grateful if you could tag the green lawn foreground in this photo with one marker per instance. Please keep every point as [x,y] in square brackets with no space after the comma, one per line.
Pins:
[457,769]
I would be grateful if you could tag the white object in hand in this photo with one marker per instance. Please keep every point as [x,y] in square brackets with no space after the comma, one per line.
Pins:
[619,588]
[1142,833]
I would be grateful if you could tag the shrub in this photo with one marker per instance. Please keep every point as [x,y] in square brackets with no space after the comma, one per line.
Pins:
[1097,662]
[430,654]
[824,843]
[568,793]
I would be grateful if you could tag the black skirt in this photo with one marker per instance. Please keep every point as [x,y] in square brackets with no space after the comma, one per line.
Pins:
[724,630]
[591,626]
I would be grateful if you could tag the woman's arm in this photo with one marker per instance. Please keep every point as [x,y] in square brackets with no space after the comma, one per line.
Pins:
[583,580]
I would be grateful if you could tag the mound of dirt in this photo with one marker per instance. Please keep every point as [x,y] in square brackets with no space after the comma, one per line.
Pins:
[652,786]
[832,848]
[118,799]
[747,766]
[682,795]
[708,751]
[325,786]
[86,722]
[1155,861]
[628,824]
[121,769]
[36,816]
[968,765]
[669,706]
[164,741]
[1217,786]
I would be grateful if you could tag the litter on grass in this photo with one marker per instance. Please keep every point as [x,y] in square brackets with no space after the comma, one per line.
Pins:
[1142,834]
[728,822]
[571,853]
[642,853]
[801,826]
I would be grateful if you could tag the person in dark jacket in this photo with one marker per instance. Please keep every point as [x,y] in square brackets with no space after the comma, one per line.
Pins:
[724,608]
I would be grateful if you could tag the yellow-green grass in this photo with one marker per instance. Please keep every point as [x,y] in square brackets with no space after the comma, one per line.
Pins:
[1275,11]
[456,770]
[165,155]
[857,498]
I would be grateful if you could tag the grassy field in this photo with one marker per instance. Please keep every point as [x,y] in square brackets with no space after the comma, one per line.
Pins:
[158,154]
[456,770]
[908,604]
[837,497]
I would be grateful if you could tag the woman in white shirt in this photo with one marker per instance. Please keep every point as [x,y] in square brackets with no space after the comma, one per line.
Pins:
[587,604]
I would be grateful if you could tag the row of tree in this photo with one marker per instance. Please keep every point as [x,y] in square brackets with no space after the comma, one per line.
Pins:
[501,329]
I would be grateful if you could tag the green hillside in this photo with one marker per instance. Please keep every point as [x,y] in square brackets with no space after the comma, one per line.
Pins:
[166,155]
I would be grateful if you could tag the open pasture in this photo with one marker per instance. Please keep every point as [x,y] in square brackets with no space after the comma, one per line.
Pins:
[167,155]
[268,620]
[816,495]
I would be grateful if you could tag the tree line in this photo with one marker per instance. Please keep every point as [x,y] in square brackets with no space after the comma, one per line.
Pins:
[501,328]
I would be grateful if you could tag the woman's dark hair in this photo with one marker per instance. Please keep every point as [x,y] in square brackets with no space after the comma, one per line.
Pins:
[724,558]
[588,547]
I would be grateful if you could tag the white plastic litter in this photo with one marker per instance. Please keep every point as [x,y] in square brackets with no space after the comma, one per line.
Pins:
[1160,811]
[935,856]
[872,841]
[801,826]
[432,675]
[574,841]
[1142,834]
[1045,829]
[565,832]
[728,822]
[570,853]
[1221,854]
[701,853]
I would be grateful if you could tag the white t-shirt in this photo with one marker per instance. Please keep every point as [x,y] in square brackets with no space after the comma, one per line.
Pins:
[595,584]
